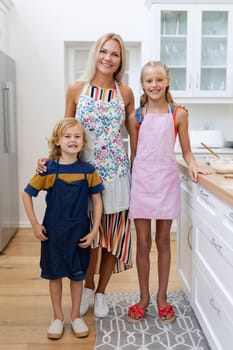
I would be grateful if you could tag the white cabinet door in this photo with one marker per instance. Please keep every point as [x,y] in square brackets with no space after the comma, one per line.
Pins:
[184,242]
[184,236]
[215,320]
[195,42]
[2,27]
[212,54]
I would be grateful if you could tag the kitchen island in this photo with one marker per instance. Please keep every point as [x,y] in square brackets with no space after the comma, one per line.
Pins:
[221,185]
[205,252]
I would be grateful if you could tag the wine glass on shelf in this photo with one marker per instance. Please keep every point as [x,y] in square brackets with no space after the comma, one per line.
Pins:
[178,23]
[213,30]
[164,24]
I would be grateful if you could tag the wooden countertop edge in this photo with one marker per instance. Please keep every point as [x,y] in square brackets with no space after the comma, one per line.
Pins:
[214,183]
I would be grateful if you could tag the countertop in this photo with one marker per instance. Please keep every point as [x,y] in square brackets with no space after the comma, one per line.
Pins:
[219,186]
[202,150]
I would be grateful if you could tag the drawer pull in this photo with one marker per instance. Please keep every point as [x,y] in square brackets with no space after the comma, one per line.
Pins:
[189,237]
[184,178]
[204,195]
[217,246]
[212,303]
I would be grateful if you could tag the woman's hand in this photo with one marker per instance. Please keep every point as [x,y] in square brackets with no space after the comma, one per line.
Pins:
[41,167]
[86,240]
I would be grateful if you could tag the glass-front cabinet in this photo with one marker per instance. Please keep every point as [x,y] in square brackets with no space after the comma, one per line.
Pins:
[195,41]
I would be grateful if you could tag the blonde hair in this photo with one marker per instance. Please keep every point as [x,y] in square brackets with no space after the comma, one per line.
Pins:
[165,71]
[58,132]
[90,70]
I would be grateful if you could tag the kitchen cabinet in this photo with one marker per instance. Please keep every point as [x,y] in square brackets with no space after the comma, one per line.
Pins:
[212,268]
[4,8]
[210,261]
[195,42]
[185,232]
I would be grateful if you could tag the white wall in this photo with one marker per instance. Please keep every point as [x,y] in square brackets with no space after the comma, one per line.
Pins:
[213,116]
[38,31]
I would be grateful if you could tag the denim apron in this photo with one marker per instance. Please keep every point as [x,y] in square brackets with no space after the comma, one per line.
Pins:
[66,221]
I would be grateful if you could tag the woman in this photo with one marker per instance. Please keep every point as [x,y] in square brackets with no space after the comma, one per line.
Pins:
[103,104]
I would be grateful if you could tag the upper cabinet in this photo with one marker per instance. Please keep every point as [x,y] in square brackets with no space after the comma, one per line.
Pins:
[194,40]
[4,8]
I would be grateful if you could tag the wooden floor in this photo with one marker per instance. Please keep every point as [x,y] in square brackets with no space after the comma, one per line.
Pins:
[25,310]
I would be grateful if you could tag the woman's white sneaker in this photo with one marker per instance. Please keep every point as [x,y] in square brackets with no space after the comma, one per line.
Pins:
[79,327]
[101,308]
[87,295]
[56,329]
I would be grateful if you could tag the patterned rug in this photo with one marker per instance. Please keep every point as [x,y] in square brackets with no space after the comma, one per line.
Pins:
[115,333]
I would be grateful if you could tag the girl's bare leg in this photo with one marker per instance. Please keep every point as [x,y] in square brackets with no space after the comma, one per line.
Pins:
[55,288]
[143,230]
[163,228]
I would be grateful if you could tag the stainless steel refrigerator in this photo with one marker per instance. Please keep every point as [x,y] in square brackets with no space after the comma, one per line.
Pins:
[9,198]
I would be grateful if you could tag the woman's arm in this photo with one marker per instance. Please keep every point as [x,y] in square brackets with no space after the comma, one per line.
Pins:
[130,121]
[72,96]
[133,134]
[128,98]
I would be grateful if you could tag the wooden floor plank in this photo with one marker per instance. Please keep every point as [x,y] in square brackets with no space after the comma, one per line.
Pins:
[25,309]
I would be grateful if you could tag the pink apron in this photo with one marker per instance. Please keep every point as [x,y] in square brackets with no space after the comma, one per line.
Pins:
[155,189]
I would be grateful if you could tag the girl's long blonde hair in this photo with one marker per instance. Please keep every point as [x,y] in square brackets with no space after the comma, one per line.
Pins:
[58,132]
[90,70]
[165,71]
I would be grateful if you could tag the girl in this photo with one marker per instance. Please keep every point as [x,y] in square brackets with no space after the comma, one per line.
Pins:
[65,234]
[155,192]
[103,105]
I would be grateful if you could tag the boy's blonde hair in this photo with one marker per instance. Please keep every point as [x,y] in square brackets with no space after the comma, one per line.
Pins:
[58,132]
[164,71]
[90,70]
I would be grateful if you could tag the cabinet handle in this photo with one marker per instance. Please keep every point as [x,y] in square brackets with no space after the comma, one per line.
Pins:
[212,303]
[217,246]
[6,119]
[184,178]
[204,195]
[189,237]
[190,81]
[197,81]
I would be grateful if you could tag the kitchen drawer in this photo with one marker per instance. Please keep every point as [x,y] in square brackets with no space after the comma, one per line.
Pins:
[227,224]
[187,189]
[214,319]
[207,206]
[217,256]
